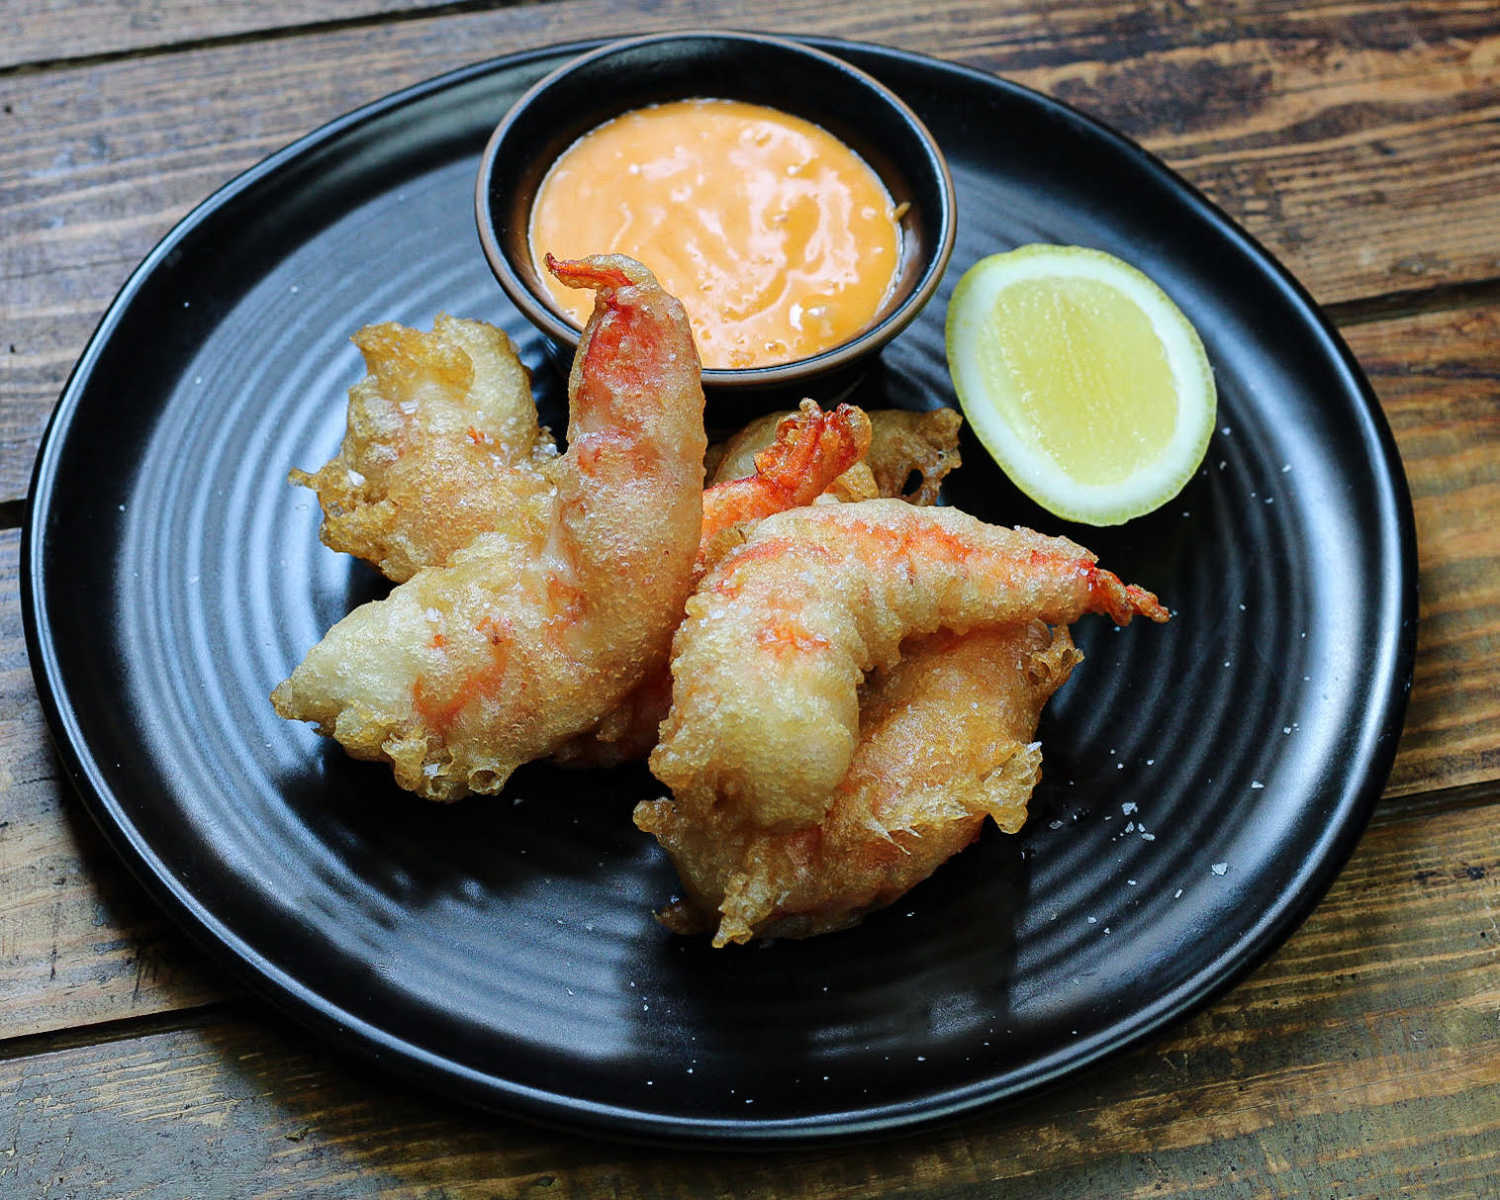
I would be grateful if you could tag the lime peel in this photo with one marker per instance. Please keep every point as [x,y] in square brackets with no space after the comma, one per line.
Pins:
[1081,377]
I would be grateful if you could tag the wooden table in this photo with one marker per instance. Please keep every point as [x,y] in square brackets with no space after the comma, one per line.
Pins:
[1359,140]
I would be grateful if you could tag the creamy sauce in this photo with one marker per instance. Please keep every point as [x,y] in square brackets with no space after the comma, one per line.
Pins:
[778,239]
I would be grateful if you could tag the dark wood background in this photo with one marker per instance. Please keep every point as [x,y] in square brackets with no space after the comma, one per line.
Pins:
[1359,140]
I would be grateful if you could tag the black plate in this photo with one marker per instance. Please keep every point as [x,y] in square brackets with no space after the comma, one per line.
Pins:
[1204,780]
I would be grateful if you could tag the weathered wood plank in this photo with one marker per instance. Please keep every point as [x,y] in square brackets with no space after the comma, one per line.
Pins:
[80,944]
[1438,377]
[1360,140]
[1358,1062]
[44,31]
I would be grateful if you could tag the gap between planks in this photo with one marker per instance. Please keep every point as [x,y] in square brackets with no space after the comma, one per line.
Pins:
[1414,302]
[1418,805]
[123,1029]
[269,34]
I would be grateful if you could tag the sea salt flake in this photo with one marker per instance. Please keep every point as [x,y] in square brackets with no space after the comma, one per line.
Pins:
[1129,806]
[1219,868]
[1256,785]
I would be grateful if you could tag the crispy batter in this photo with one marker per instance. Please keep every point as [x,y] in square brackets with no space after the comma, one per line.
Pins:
[810,449]
[902,444]
[539,627]
[442,443]
[945,741]
[778,637]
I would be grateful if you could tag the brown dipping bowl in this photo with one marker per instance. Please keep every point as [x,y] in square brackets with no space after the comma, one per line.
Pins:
[756,68]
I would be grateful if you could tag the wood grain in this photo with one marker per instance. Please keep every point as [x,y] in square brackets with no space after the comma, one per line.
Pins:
[44,31]
[1360,141]
[1438,379]
[1359,1062]
[80,944]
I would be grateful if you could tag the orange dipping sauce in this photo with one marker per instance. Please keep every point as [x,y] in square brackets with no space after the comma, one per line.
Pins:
[779,240]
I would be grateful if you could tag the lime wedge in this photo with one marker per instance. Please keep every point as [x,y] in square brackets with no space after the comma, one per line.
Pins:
[1082,379]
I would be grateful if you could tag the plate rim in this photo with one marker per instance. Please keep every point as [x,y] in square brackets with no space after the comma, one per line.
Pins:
[435,1072]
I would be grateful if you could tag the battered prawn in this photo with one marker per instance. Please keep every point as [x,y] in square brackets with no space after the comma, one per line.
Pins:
[945,742]
[442,442]
[809,450]
[767,665]
[903,446]
[539,627]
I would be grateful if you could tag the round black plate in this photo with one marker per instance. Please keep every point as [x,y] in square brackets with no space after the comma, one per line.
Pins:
[1204,780]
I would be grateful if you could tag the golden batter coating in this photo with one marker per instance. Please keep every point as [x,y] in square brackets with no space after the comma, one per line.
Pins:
[902,444]
[442,443]
[945,741]
[767,665]
[539,627]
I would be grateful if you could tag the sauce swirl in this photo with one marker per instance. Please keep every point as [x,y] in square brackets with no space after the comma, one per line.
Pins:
[779,240]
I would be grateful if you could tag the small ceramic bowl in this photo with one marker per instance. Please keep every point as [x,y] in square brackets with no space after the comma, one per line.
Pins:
[772,71]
